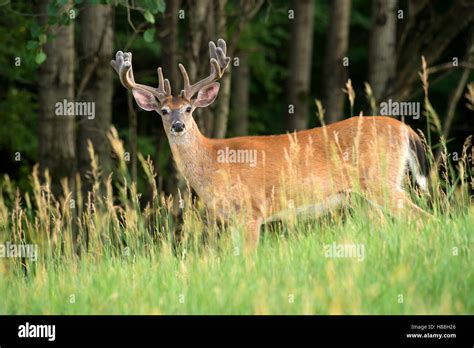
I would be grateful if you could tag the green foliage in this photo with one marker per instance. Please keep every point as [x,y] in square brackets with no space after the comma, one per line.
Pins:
[17,112]
[154,6]
[16,43]
[149,35]
[18,105]
[40,57]
[360,15]
[18,133]
[149,17]
[149,9]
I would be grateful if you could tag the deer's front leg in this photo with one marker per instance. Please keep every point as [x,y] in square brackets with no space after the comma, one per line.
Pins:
[252,233]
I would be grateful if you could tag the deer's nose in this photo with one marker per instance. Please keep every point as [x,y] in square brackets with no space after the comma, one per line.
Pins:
[177,126]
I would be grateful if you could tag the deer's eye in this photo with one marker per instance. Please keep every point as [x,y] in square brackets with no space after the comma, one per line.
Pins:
[188,109]
[164,111]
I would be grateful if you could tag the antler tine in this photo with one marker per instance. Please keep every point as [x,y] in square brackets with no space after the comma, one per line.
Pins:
[221,53]
[186,83]
[160,77]
[222,44]
[164,86]
[167,87]
[212,50]
[123,66]
[219,62]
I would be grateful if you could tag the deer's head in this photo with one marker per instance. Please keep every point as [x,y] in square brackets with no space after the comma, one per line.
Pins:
[176,111]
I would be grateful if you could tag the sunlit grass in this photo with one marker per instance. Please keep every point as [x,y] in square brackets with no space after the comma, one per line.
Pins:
[287,275]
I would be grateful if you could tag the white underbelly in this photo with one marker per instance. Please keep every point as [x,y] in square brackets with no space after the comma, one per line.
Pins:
[316,209]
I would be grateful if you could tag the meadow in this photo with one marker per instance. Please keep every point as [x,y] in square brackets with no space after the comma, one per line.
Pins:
[109,254]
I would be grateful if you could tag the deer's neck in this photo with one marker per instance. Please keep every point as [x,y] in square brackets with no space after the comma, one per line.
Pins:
[192,153]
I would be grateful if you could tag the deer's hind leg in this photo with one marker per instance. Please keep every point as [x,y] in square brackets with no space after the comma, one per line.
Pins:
[398,204]
[402,204]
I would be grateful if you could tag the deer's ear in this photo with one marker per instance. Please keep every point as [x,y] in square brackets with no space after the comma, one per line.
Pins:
[145,99]
[207,95]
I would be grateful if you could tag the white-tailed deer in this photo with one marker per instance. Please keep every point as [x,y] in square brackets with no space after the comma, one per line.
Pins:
[263,178]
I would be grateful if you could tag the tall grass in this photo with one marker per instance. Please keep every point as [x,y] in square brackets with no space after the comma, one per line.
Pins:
[113,252]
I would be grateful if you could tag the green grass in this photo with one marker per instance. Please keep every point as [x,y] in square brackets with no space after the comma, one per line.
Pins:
[289,274]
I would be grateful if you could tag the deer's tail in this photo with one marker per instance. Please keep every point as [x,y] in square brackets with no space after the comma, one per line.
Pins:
[417,160]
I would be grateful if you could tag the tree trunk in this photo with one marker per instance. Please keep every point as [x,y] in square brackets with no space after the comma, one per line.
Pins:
[170,67]
[96,50]
[382,52]
[132,134]
[198,19]
[171,45]
[223,103]
[335,73]
[197,22]
[56,84]
[240,98]
[301,48]
[207,116]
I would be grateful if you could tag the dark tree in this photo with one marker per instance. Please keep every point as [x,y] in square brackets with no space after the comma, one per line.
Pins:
[96,84]
[56,85]
[299,77]
[334,71]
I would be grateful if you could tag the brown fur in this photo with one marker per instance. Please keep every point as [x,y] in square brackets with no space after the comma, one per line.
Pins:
[363,154]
